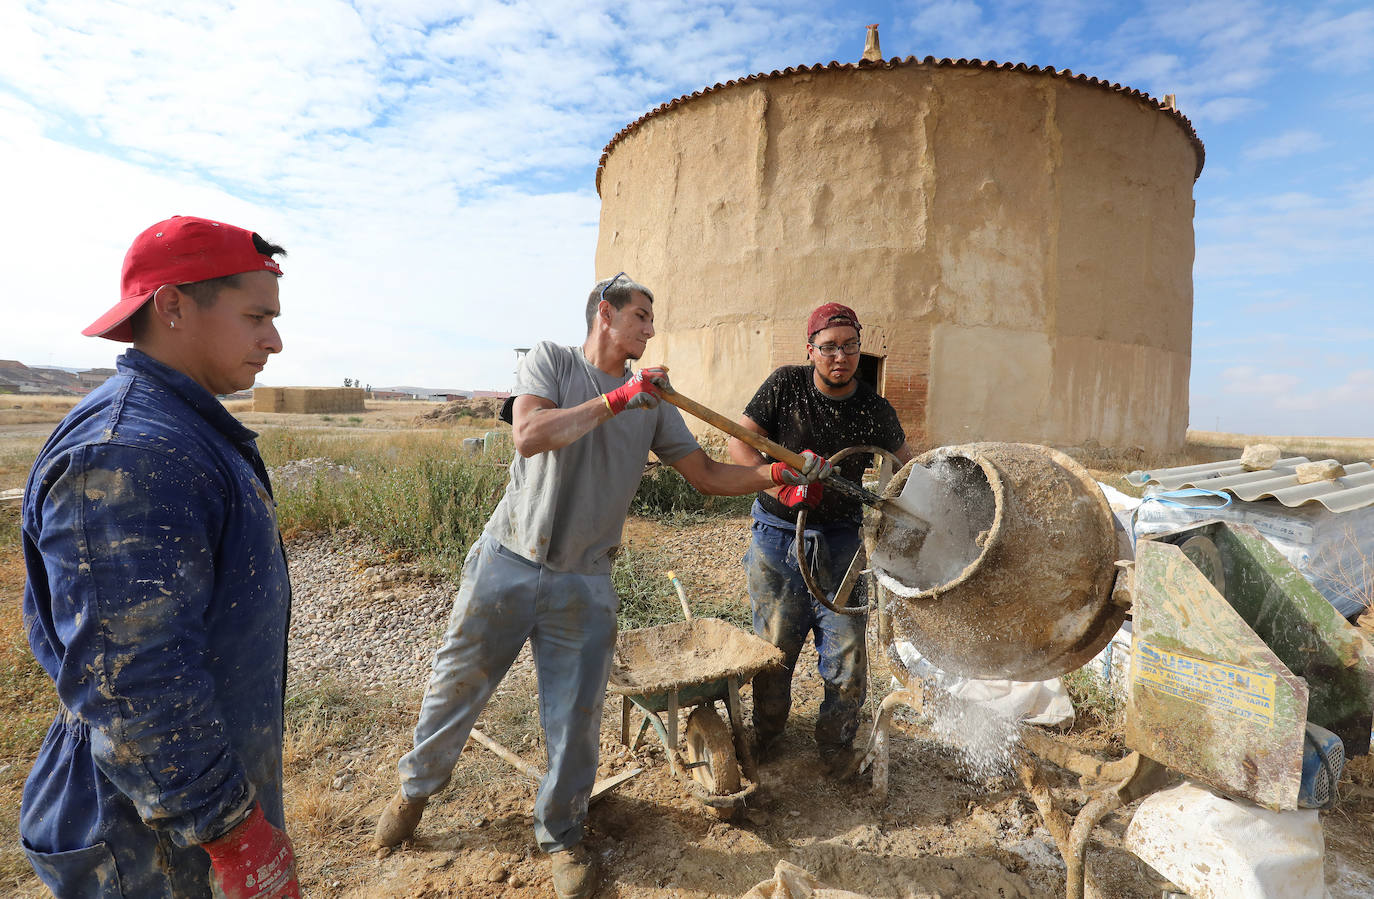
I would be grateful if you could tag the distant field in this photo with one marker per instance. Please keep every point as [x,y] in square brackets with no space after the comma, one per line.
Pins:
[33,408]
[1342,449]
[29,408]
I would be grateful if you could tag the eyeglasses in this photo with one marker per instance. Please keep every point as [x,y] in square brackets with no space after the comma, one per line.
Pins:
[608,286]
[831,350]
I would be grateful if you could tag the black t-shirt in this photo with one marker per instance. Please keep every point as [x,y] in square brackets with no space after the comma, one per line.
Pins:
[797,415]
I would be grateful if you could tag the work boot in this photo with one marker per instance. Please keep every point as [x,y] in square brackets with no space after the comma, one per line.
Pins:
[765,747]
[575,874]
[398,820]
[839,762]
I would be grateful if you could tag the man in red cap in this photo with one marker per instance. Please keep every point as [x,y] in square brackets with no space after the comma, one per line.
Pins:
[157,596]
[823,407]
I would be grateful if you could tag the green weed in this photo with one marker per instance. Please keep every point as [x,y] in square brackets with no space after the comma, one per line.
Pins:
[663,492]
[647,597]
[1094,702]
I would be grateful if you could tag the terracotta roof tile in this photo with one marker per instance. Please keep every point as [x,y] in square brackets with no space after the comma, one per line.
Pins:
[898,62]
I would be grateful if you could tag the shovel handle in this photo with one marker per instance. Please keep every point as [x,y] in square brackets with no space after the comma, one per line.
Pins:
[735,429]
[766,446]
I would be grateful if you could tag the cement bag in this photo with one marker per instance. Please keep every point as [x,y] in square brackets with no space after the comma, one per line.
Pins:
[1045,703]
[1217,848]
[1335,553]
[792,882]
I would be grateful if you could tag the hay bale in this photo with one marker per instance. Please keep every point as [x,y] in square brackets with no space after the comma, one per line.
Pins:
[308,400]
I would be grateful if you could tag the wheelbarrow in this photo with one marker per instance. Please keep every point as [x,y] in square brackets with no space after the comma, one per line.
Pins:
[693,664]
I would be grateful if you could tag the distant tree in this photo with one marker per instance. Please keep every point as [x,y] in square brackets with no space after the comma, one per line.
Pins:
[348,382]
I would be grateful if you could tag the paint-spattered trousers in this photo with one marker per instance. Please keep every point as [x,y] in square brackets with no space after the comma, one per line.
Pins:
[785,612]
[570,619]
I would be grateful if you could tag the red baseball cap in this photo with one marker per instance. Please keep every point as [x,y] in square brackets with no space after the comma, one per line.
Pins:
[831,315]
[181,250]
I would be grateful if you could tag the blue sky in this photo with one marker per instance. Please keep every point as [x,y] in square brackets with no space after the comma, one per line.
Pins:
[430,164]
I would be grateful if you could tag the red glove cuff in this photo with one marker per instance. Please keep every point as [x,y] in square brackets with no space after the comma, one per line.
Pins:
[254,860]
[808,495]
[617,400]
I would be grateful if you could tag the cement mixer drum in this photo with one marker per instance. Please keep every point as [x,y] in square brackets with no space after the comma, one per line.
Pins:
[1014,579]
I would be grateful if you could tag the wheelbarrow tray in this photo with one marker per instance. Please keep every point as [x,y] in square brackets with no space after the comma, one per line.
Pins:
[687,657]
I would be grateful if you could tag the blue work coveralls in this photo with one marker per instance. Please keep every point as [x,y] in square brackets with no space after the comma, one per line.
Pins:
[158,602]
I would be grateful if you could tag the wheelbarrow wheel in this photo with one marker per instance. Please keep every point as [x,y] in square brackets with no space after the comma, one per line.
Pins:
[712,754]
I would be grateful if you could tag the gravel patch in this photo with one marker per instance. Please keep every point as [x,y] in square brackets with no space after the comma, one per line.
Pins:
[365,625]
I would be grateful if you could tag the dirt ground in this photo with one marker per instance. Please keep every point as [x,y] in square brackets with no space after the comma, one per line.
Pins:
[943,830]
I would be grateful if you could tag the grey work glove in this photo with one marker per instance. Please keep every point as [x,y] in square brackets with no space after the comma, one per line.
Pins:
[815,469]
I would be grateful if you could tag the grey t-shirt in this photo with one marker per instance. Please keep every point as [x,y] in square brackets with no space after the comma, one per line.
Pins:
[565,508]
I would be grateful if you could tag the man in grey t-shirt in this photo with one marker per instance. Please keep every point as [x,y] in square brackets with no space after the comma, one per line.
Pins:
[541,571]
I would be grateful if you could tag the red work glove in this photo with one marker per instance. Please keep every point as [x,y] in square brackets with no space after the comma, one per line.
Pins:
[254,861]
[640,392]
[814,470]
[808,495]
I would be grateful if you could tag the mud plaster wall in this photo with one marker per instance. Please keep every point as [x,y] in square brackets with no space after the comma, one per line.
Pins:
[308,399]
[1019,247]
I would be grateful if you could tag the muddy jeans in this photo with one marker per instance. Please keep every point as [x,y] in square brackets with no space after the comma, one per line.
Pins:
[570,619]
[785,612]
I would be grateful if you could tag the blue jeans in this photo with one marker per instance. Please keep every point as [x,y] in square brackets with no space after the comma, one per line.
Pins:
[785,612]
[570,619]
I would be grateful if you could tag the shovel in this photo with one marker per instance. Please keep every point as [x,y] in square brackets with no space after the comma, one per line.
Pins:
[913,523]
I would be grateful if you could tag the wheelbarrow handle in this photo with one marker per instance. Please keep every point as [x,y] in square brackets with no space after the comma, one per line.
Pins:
[681,595]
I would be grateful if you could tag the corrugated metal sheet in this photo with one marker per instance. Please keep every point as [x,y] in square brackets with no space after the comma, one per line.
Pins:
[929,62]
[1354,491]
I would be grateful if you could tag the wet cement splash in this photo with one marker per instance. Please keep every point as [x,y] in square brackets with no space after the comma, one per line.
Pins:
[985,741]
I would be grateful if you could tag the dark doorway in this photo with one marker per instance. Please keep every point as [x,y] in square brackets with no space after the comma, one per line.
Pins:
[871,371]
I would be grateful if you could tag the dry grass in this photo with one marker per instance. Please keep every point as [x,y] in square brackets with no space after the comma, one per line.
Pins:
[342,744]
[27,704]
[38,402]
[16,458]
[1342,449]
[34,408]
[384,415]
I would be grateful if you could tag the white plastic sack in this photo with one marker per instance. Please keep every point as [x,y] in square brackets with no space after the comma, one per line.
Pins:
[1123,510]
[1212,847]
[1335,553]
[1045,703]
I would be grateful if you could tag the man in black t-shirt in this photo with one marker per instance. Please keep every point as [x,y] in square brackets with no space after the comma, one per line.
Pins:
[824,408]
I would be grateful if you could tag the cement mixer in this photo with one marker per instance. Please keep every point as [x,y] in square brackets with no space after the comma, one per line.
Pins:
[1236,660]
[1014,578]
[1000,561]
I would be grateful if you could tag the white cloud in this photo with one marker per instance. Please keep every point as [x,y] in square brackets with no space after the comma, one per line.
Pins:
[1220,110]
[1340,43]
[1246,379]
[1287,233]
[1282,146]
[429,165]
[1253,400]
